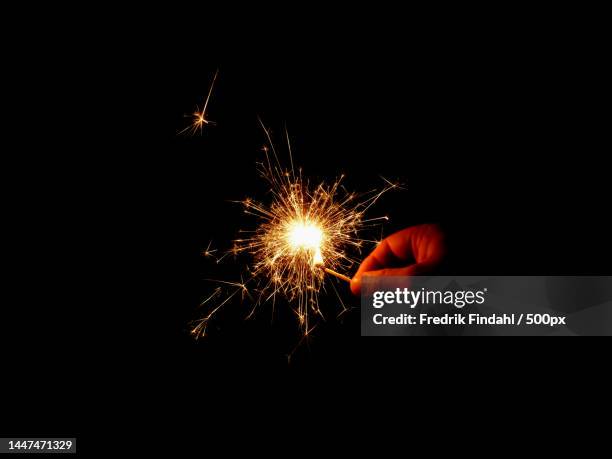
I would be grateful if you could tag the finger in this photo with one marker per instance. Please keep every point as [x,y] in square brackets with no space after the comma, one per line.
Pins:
[420,244]
[394,249]
[357,280]
[418,269]
[418,248]
[381,257]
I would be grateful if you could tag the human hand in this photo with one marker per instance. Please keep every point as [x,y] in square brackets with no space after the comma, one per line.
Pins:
[414,251]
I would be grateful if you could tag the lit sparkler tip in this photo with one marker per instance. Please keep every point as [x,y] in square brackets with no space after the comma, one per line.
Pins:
[303,233]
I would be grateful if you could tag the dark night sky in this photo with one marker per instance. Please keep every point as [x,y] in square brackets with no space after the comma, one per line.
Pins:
[499,137]
[489,143]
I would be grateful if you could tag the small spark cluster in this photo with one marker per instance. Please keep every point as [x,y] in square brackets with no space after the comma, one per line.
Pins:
[199,117]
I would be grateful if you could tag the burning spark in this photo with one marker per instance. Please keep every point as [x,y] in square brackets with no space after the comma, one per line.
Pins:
[199,117]
[208,252]
[303,232]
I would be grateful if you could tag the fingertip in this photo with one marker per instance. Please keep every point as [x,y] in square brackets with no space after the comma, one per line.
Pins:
[356,285]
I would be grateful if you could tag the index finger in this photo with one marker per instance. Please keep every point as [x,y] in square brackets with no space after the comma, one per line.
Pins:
[416,244]
[394,249]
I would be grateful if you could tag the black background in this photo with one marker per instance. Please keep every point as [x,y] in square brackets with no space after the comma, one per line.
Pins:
[490,142]
[497,133]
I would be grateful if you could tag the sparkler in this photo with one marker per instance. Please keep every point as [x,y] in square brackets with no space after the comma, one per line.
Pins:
[338,275]
[303,232]
[199,117]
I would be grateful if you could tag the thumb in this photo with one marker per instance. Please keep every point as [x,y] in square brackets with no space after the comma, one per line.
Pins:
[417,269]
